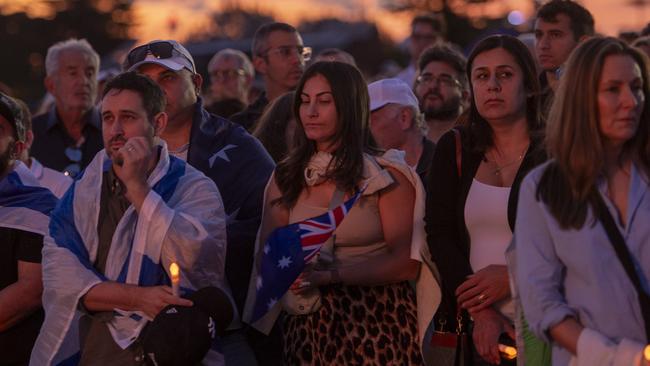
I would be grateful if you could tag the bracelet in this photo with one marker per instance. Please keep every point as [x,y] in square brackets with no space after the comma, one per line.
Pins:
[335,276]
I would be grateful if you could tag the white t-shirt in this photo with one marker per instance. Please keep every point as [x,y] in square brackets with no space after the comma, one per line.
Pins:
[486,218]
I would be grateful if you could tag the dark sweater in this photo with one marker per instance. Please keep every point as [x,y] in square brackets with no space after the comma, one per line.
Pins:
[447,234]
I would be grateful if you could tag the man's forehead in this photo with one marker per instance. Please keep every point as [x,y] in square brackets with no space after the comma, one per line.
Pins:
[560,21]
[226,62]
[281,38]
[128,100]
[75,58]
[423,27]
[153,70]
[437,67]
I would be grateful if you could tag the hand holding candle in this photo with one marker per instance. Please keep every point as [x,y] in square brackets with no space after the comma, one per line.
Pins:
[176,278]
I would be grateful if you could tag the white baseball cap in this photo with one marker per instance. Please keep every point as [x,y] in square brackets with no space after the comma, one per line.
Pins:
[387,91]
[167,53]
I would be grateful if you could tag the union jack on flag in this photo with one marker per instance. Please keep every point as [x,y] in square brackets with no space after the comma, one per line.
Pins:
[286,252]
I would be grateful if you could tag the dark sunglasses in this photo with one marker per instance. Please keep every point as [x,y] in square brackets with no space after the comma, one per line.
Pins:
[74,154]
[160,49]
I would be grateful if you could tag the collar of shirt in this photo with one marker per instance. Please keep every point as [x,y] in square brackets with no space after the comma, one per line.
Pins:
[117,188]
[36,168]
[91,118]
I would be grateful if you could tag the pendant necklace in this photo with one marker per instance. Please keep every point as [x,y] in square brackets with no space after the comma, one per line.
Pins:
[498,169]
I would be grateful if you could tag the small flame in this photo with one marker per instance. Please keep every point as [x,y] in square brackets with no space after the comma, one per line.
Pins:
[509,353]
[646,353]
[173,269]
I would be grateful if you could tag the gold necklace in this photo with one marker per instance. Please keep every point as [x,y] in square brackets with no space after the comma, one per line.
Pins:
[498,169]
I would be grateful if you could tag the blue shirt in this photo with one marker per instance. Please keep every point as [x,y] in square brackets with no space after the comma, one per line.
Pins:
[576,273]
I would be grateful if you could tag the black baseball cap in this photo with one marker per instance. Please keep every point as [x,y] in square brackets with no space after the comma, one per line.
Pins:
[182,335]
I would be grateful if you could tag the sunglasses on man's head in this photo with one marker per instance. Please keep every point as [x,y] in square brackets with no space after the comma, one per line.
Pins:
[74,154]
[161,50]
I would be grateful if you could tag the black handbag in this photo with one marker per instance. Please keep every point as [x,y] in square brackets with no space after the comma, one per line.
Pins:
[625,257]
[452,348]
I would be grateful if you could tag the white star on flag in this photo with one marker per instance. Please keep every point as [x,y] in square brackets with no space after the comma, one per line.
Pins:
[272,302]
[284,262]
[221,154]
[267,249]
[258,284]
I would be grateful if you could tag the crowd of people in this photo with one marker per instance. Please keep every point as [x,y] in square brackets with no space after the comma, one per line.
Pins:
[487,209]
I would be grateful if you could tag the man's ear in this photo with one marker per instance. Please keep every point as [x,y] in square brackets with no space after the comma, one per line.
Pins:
[464,98]
[49,84]
[17,150]
[29,139]
[197,80]
[260,64]
[406,119]
[159,123]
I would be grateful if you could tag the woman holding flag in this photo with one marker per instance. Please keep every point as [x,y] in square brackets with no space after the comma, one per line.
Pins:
[347,298]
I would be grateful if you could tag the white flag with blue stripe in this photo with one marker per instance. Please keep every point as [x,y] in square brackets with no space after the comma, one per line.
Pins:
[181,220]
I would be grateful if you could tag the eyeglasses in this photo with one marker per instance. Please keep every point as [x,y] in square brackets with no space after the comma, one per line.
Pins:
[444,80]
[285,52]
[160,50]
[222,75]
[74,154]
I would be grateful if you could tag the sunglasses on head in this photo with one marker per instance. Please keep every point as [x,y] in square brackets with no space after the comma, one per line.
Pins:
[161,50]
[74,154]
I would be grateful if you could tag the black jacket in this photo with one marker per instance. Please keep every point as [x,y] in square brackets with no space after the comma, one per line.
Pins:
[447,234]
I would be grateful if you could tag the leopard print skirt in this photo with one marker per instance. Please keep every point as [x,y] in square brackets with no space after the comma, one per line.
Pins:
[356,325]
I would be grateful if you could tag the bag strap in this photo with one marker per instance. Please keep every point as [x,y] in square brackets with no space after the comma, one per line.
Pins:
[459,151]
[625,257]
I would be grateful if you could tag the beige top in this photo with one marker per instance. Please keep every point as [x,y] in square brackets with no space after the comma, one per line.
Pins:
[359,236]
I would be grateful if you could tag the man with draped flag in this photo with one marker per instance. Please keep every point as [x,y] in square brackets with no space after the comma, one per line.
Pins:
[24,210]
[130,214]
[286,253]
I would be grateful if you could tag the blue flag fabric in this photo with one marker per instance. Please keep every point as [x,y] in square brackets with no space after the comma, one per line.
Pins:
[24,205]
[288,249]
[15,193]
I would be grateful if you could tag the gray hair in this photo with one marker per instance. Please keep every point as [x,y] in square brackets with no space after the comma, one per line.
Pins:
[244,61]
[72,44]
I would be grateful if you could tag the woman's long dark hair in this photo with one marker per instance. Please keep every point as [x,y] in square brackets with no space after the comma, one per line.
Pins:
[352,137]
[480,132]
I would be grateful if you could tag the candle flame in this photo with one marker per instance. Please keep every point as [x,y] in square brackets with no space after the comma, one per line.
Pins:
[173,269]
[646,352]
[509,353]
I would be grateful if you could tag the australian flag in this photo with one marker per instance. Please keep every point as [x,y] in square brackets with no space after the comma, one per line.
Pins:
[288,249]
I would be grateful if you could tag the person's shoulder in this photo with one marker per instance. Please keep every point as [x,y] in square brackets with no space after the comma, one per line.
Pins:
[534,176]
[447,142]
[40,123]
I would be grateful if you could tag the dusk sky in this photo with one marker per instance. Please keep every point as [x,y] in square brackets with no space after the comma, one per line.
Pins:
[154,16]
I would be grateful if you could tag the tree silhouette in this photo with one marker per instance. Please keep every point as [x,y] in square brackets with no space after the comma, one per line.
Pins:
[232,22]
[461,28]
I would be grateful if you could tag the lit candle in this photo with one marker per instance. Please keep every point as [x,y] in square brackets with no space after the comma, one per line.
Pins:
[508,352]
[176,278]
[646,353]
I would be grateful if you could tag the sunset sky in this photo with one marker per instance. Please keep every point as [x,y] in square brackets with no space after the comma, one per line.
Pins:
[154,16]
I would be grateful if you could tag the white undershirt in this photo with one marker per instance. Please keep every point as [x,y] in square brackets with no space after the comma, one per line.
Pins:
[181,153]
[486,218]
